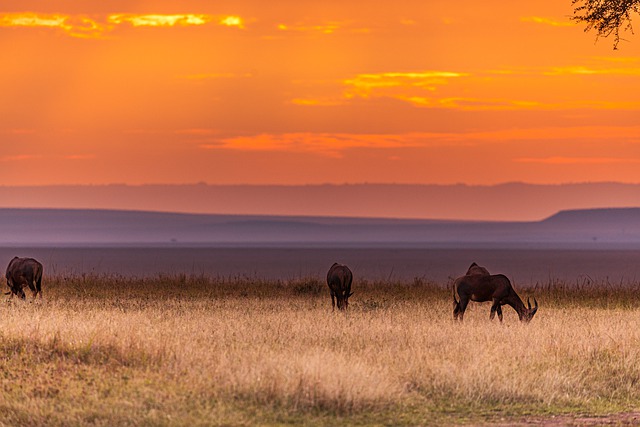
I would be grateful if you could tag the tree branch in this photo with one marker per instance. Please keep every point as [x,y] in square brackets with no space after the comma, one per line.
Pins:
[607,17]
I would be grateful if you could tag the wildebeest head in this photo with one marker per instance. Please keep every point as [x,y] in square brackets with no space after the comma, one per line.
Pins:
[529,312]
[18,291]
[343,300]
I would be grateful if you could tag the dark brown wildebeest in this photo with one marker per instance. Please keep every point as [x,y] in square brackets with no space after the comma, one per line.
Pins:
[496,288]
[23,272]
[476,269]
[339,279]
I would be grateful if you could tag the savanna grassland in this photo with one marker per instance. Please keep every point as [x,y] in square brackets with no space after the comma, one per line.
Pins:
[183,350]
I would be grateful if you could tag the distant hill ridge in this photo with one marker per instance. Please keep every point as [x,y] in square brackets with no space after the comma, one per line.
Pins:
[502,202]
[581,228]
[601,215]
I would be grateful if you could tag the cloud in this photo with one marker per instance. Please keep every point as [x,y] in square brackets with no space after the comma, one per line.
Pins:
[547,21]
[178,20]
[575,133]
[33,20]
[18,158]
[472,104]
[83,27]
[329,27]
[75,26]
[318,102]
[213,76]
[618,59]
[232,21]
[365,85]
[408,22]
[398,85]
[575,160]
[335,144]
[327,144]
[581,70]
[87,27]
[159,20]
[79,156]
[29,157]
[18,131]
[198,131]
[440,88]
[422,89]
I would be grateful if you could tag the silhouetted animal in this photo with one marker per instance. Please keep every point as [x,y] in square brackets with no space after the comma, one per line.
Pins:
[339,279]
[496,288]
[476,269]
[23,272]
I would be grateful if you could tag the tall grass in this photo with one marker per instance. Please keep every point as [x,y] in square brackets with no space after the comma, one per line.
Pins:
[187,350]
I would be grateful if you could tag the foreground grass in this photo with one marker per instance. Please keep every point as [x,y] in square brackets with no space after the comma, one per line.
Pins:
[201,351]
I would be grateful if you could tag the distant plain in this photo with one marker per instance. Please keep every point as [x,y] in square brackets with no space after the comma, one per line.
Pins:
[523,266]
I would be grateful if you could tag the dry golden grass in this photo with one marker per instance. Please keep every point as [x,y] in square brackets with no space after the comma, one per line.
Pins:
[198,351]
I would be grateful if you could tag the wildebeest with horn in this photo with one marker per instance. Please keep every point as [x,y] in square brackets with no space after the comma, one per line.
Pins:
[23,272]
[339,279]
[490,287]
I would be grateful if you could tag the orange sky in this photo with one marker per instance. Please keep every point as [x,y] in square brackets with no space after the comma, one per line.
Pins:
[299,92]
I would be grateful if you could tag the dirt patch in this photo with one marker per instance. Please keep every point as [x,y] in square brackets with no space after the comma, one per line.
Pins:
[621,419]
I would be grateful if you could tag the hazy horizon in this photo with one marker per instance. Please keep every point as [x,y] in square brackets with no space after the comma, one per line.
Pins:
[504,202]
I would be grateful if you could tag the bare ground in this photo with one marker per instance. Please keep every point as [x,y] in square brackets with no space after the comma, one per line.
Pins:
[619,419]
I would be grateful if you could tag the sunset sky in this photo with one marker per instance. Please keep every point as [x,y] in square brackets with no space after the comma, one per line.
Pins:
[308,92]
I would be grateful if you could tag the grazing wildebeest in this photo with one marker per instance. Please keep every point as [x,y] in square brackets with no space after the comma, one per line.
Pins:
[476,269]
[339,279]
[496,288]
[23,272]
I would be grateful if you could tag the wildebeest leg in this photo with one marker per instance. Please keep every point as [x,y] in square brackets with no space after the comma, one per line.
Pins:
[499,311]
[10,285]
[32,287]
[463,307]
[333,301]
[494,307]
[456,310]
[39,286]
[18,287]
